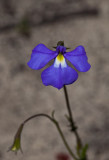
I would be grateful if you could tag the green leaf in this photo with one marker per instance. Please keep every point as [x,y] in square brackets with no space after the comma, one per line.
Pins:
[83,152]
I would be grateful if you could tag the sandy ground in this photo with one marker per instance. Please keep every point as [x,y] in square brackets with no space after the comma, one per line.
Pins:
[22,93]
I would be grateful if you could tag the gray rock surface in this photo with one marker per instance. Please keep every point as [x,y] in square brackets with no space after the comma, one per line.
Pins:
[22,93]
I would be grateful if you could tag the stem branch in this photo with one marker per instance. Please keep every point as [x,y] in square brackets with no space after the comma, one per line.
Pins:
[64,140]
[58,128]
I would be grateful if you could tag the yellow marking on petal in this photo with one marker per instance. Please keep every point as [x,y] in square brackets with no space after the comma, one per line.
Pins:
[60,57]
[60,60]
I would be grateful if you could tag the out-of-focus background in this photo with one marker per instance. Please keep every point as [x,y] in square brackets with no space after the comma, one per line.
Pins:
[23,25]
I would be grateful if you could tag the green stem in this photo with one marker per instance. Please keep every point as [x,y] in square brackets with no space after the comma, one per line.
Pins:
[71,117]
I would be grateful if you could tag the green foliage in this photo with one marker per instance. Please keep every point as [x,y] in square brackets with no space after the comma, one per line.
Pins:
[83,152]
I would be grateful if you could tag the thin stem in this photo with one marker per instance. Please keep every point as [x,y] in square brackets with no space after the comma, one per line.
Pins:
[68,104]
[38,115]
[58,127]
[71,117]
[64,140]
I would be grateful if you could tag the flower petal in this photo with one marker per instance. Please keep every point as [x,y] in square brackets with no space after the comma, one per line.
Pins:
[40,56]
[78,58]
[59,75]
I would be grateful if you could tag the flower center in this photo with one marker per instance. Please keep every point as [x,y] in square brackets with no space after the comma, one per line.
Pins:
[60,61]
[61,49]
[60,57]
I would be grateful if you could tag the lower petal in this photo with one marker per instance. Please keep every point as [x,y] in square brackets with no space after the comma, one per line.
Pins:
[58,77]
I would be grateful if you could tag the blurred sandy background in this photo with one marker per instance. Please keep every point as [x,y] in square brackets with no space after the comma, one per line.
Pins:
[24,24]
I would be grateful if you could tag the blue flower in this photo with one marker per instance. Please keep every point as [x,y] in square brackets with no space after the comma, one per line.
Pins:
[59,74]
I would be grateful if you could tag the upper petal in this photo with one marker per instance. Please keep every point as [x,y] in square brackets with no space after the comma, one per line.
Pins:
[78,58]
[59,75]
[40,56]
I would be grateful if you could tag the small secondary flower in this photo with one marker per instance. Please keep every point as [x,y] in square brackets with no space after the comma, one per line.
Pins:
[59,74]
[17,140]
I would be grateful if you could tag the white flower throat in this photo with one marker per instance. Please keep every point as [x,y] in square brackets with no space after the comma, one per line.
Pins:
[60,61]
